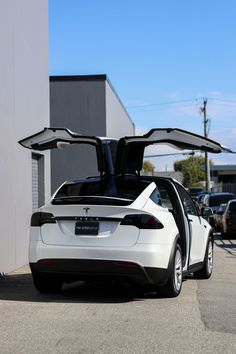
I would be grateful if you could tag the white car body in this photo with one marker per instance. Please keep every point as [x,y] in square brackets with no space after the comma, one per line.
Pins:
[113,242]
[148,231]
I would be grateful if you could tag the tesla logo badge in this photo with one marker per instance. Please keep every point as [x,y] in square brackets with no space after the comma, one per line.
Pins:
[86,209]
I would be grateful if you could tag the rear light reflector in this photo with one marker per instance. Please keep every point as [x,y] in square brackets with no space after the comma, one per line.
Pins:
[142,221]
[40,218]
[124,264]
[47,261]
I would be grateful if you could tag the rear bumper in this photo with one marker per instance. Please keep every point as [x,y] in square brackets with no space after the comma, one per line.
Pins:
[87,269]
[145,255]
[145,263]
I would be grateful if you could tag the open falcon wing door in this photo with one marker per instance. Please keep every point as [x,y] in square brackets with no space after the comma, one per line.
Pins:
[53,138]
[129,157]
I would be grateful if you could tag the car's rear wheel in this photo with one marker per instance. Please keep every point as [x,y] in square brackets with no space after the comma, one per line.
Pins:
[207,268]
[47,284]
[174,284]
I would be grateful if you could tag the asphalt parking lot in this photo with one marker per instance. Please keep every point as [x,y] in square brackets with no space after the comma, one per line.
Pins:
[97,318]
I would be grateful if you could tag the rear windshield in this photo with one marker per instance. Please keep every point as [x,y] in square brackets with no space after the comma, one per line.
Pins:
[101,192]
[216,200]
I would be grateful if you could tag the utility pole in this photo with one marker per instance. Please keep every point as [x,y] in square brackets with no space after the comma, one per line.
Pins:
[207,169]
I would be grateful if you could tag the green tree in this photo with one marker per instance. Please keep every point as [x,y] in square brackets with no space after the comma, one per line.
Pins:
[191,169]
[148,166]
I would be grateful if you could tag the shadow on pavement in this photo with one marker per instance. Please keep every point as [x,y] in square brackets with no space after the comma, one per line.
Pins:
[19,287]
[231,245]
[227,245]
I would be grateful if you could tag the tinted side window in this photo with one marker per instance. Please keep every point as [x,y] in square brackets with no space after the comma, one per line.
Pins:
[155,197]
[163,196]
[233,208]
[216,200]
[188,204]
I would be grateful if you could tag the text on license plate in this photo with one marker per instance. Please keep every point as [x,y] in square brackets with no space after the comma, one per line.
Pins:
[86,228]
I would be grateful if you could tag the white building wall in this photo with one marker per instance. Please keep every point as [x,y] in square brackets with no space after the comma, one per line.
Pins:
[118,122]
[24,109]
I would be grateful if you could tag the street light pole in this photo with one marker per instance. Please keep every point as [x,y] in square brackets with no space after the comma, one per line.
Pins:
[207,168]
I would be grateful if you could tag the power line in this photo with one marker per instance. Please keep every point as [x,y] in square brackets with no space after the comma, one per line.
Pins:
[158,109]
[164,103]
[178,102]
[223,104]
[222,100]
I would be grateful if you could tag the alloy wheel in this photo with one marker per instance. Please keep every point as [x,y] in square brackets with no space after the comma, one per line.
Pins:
[210,258]
[178,270]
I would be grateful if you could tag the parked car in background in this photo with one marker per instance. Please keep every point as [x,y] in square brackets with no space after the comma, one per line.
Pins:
[120,225]
[214,200]
[215,219]
[228,220]
[195,192]
[199,200]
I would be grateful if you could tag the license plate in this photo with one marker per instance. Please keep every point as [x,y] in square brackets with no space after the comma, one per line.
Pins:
[86,228]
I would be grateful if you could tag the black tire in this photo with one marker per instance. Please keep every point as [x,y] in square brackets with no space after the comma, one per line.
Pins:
[47,284]
[174,284]
[206,271]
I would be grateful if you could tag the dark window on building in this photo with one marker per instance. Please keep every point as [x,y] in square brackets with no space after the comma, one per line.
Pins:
[38,190]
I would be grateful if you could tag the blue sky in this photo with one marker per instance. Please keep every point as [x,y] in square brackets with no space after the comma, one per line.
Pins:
[162,57]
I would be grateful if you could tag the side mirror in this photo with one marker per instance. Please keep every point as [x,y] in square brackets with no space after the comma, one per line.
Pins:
[206,212]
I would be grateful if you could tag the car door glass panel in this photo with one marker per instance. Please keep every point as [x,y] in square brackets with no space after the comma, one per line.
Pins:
[155,197]
[161,197]
[188,204]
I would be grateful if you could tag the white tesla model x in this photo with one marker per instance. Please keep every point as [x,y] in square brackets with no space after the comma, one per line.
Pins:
[121,224]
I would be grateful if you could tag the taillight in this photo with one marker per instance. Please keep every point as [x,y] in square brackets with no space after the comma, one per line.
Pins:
[142,221]
[47,261]
[40,218]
